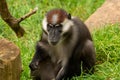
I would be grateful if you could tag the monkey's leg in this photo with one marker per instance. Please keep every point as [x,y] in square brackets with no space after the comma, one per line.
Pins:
[88,57]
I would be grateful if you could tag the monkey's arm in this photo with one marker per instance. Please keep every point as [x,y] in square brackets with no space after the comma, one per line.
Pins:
[62,71]
[40,52]
[39,55]
[60,74]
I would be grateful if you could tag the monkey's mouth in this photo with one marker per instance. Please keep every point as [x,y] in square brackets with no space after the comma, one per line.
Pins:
[53,43]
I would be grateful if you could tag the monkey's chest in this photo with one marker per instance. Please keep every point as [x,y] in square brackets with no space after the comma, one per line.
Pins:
[60,55]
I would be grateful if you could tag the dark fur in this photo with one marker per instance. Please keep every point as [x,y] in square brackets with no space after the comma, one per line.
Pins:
[83,54]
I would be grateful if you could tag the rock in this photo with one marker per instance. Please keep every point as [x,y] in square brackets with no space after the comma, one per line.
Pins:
[108,13]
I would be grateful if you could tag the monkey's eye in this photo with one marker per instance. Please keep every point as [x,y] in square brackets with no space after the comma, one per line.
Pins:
[49,25]
[58,25]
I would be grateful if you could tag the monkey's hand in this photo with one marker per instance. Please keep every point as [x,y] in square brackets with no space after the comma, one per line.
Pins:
[34,65]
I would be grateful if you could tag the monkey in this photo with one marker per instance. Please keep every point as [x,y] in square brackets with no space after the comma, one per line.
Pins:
[46,69]
[67,41]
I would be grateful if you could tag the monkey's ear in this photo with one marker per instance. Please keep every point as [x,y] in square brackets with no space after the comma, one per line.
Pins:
[69,16]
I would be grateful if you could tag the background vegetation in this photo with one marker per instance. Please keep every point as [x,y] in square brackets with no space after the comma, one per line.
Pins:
[106,40]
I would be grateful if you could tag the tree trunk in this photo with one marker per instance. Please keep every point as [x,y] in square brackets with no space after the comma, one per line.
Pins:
[10,61]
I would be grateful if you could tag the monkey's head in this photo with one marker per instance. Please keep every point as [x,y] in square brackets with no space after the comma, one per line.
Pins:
[56,25]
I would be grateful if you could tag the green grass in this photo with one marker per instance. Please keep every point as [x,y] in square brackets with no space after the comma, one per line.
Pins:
[107,52]
[106,40]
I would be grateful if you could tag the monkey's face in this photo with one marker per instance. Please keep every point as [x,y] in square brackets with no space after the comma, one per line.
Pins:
[54,33]
[56,23]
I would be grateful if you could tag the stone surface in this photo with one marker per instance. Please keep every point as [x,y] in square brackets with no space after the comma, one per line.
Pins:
[108,13]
